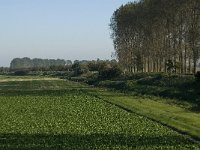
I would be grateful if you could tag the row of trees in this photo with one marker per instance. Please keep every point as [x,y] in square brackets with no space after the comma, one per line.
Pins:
[105,69]
[157,35]
[78,66]
[36,63]
[4,69]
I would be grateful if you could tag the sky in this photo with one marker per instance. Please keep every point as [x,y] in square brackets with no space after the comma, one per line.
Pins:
[52,29]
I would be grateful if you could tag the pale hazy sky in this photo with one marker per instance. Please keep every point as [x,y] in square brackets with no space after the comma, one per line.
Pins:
[65,29]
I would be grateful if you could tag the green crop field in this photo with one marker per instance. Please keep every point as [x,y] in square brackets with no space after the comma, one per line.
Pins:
[47,113]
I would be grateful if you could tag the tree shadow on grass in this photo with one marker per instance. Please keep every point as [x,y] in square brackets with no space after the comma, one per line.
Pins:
[91,141]
[42,92]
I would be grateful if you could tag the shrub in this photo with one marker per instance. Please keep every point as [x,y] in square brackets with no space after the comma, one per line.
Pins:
[76,67]
[197,76]
[141,75]
[118,85]
[109,73]
[20,73]
[78,79]
[147,80]
[92,78]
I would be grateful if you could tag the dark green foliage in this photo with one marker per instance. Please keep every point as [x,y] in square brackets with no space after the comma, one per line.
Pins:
[20,73]
[150,34]
[92,79]
[78,79]
[36,63]
[197,76]
[137,76]
[181,88]
[147,80]
[57,114]
[101,65]
[93,66]
[111,72]
[4,70]
[56,73]
[76,67]
[118,85]
[170,66]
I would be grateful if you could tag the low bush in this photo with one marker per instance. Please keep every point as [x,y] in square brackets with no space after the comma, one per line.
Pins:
[118,85]
[92,79]
[197,76]
[140,75]
[110,73]
[147,80]
[20,73]
[78,79]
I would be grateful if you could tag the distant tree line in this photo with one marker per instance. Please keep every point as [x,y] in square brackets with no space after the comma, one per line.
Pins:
[157,35]
[78,66]
[38,64]
[4,69]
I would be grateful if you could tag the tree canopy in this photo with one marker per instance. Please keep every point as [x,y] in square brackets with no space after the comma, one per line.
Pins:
[149,33]
[27,63]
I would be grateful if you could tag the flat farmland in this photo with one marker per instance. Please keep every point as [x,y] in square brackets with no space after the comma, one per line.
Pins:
[49,113]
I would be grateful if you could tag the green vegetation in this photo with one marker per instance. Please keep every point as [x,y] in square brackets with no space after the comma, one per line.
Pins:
[149,98]
[157,35]
[42,113]
[173,100]
[36,63]
[181,88]
[158,109]
[197,76]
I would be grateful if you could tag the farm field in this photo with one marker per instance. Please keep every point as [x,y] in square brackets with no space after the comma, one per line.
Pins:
[48,113]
